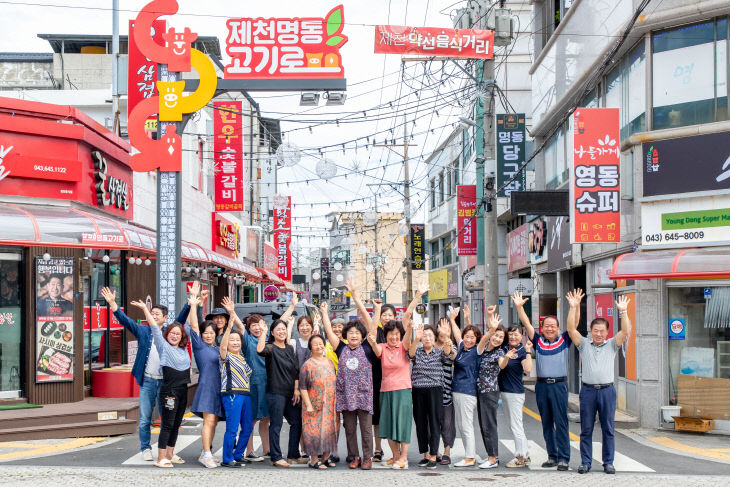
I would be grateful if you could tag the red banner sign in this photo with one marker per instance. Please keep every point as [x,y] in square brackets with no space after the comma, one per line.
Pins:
[228,150]
[95,318]
[282,236]
[604,309]
[286,48]
[226,237]
[142,77]
[466,205]
[517,257]
[597,165]
[271,262]
[434,41]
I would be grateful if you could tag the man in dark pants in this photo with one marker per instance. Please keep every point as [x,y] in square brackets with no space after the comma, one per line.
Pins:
[551,391]
[597,356]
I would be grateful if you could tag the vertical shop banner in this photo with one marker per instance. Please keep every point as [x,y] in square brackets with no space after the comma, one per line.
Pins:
[537,238]
[228,155]
[434,41]
[560,250]
[282,235]
[595,203]
[142,73]
[603,308]
[517,256]
[627,352]
[466,205]
[418,233]
[54,347]
[510,152]
[271,262]
[324,282]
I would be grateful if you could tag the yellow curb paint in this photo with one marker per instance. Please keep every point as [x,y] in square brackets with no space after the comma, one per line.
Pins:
[46,449]
[533,414]
[12,444]
[676,445]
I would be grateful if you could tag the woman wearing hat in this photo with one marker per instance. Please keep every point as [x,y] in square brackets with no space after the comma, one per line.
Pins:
[220,317]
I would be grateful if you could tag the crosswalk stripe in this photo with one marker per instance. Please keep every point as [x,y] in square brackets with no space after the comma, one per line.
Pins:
[620,461]
[183,441]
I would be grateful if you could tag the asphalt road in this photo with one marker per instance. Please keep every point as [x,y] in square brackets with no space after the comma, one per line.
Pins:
[631,457]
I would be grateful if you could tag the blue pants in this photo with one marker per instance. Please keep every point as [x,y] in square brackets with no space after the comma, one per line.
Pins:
[552,402]
[149,395]
[603,401]
[238,413]
[281,407]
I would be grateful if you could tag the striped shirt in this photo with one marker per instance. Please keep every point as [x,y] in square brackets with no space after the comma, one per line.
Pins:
[235,374]
[174,357]
[552,357]
[428,368]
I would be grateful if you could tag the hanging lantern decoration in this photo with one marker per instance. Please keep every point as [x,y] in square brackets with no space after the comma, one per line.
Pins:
[362,250]
[315,276]
[326,169]
[402,228]
[370,218]
[369,268]
[338,266]
[288,155]
[340,278]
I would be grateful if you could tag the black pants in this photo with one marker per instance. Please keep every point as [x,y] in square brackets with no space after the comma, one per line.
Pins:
[281,407]
[174,401]
[487,403]
[428,414]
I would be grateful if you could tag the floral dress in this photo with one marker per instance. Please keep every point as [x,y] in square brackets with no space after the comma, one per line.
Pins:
[319,428]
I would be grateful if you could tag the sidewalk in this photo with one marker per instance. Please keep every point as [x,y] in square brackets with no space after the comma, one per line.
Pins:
[714,448]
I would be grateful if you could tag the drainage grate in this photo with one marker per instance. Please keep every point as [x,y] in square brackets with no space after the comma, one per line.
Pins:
[430,474]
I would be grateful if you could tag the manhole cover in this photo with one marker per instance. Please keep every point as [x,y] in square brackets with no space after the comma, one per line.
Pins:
[481,479]
[429,474]
[506,475]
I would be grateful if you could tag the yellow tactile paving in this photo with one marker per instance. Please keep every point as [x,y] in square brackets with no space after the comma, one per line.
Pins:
[31,450]
[716,453]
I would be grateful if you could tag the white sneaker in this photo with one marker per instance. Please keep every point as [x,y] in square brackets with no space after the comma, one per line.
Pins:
[147,455]
[464,463]
[209,462]
[487,464]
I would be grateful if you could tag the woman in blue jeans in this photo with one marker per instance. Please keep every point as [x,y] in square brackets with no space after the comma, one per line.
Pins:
[282,392]
[235,375]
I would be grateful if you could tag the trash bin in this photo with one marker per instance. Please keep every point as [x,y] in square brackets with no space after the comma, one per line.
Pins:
[669,412]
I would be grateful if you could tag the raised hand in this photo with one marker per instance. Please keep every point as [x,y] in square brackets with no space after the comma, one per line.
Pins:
[419,333]
[622,303]
[491,309]
[109,295]
[574,297]
[454,313]
[228,305]
[350,285]
[294,299]
[193,300]
[378,301]
[511,354]
[195,288]
[139,304]
[422,287]
[467,312]
[528,346]
[324,307]
[518,300]
[494,321]
[204,295]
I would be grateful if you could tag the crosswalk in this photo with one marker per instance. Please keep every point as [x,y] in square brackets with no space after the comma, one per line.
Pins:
[188,447]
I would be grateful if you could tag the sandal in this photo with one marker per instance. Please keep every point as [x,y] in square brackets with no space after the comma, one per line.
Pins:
[445,460]
[330,463]
[280,464]
[164,463]
[378,456]
[317,466]
[177,459]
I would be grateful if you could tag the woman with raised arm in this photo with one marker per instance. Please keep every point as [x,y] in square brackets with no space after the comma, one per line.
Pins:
[448,427]
[466,369]
[317,381]
[175,363]
[354,387]
[255,327]
[396,399]
[207,400]
[282,392]
[427,378]
[234,387]
[517,365]
[490,348]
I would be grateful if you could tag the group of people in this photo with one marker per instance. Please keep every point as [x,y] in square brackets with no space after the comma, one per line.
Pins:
[375,372]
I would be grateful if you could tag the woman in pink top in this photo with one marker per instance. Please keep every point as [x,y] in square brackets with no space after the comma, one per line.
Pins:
[396,400]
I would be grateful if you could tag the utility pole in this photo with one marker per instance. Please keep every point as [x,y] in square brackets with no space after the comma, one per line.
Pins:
[116,123]
[407,203]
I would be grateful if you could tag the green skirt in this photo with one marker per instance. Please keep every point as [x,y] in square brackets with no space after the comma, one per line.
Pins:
[396,415]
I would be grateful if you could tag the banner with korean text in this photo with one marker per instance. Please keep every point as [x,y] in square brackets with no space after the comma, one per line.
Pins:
[510,152]
[434,41]
[418,237]
[466,207]
[595,202]
[142,73]
[282,236]
[307,47]
[228,155]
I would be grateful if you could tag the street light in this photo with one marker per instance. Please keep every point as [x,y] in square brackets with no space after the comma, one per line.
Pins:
[336,98]
[309,100]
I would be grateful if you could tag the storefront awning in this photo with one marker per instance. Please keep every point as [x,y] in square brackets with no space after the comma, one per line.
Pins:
[696,263]
[66,226]
[269,277]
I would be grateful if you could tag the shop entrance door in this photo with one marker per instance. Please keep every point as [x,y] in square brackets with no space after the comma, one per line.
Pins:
[11,325]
